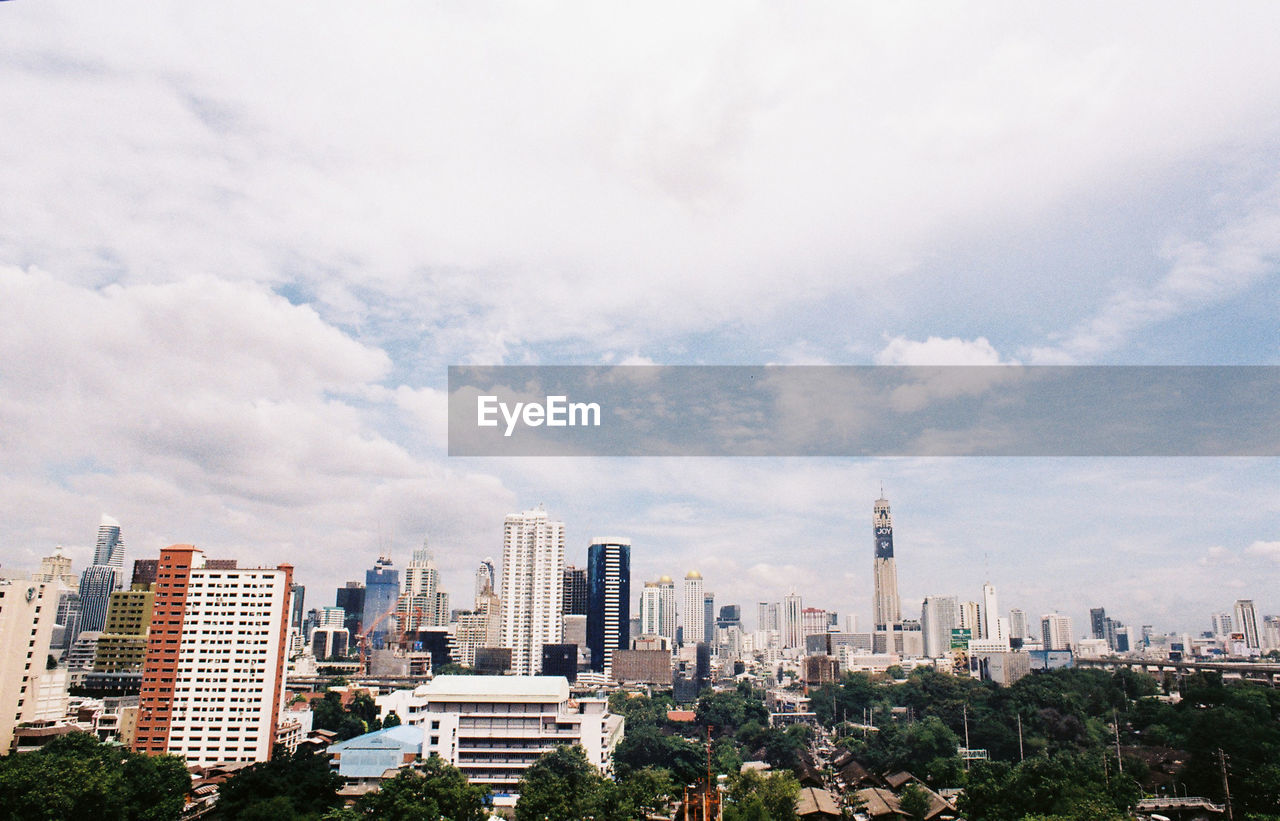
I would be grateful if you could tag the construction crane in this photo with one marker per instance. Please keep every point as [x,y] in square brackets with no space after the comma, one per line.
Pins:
[362,640]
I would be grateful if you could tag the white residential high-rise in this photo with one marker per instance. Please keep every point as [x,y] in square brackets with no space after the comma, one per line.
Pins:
[792,620]
[658,609]
[990,613]
[109,551]
[422,604]
[693,612]
[213,679]
[939,615]
[1221,624]
[1056,631]
[532,587]
[768,617]
[27,613]
[1247,623]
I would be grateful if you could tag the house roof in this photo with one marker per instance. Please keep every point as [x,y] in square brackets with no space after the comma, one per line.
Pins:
[405,736]
[813,801]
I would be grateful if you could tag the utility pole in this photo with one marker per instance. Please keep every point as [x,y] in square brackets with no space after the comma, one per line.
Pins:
[1115,723]
[1226,788]
[1021,756]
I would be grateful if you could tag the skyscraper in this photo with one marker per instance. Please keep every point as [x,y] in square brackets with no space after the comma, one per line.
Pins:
[939,615]
[381,593]
[102,578]
[994,628]
[608,600]
[213,679]
[887,610]
[658,609]
[1221,624]
[574,601]
[709,617]
[1055,628]
[1247,621]
[110,549]
[422,604]
[1018,624]
[351,599]
[693,608]
[792,620]
[26,627]
[486,579]
[532,587]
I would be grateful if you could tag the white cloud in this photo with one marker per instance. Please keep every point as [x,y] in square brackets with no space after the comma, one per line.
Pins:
[1268,550]
[939,351]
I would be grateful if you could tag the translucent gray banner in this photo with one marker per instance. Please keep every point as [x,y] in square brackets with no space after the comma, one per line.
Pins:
[864,411]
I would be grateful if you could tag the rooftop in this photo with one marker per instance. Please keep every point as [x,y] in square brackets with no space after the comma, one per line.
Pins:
[496,688]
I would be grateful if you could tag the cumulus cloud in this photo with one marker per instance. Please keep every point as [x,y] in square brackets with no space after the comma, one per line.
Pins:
[939,351]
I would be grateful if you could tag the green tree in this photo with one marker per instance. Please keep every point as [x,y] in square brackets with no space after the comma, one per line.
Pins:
[563,786]
[914,802]
[753,797]
[77,776]
[431,791]
[297,784]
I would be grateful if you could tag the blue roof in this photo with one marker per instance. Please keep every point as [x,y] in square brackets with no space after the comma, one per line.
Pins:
[372,754]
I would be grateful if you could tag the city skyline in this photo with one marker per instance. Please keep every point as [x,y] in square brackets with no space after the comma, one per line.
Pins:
[232,278]
[421,567]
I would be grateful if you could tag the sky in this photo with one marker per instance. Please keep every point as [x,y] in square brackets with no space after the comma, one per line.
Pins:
[241,243]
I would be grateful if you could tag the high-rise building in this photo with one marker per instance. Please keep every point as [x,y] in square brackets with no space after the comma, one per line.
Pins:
[1018,624]
[769,617]
[422,604]
[709,617]
[532,587]
[1098,622]
[658,609]
[792,620]
[814,621]
[351,599]
[486,579]
[213,680]
[27,614]
[1221,623]
[608,600]
[887,610]
[102,578]
[109,551]
[1271,633]
[56,568]
[122,647]
[991,615]
[693,608]
[939,615]
[1247,623]
[730,616]
[574,601]
[381,595]
[1055,629]
[970,613]
[144,572]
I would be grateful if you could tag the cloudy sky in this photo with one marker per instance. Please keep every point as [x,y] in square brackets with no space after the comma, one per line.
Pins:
[240,243]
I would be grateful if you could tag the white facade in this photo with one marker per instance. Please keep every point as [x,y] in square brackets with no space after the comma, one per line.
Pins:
[532,587]
[422,604]
[1056,631]
[658,609]
[990,614]
[494,727]
[229,686]
[939,615]
[792,620]
[28,610]
[692,615]
[1247,623]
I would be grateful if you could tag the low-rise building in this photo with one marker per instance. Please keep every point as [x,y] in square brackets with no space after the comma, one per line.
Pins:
[494,727]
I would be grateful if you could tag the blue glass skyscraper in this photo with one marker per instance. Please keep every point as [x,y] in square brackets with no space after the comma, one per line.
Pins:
[608,600]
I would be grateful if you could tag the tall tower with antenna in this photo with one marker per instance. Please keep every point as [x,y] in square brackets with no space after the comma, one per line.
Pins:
[887,610]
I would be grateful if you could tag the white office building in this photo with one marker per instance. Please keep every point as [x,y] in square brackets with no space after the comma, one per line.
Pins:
[494,727]
[532,587]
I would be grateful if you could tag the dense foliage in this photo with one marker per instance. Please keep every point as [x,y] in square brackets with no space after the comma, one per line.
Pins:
[431,791]
[77,776]
[290,786]
[563,786]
